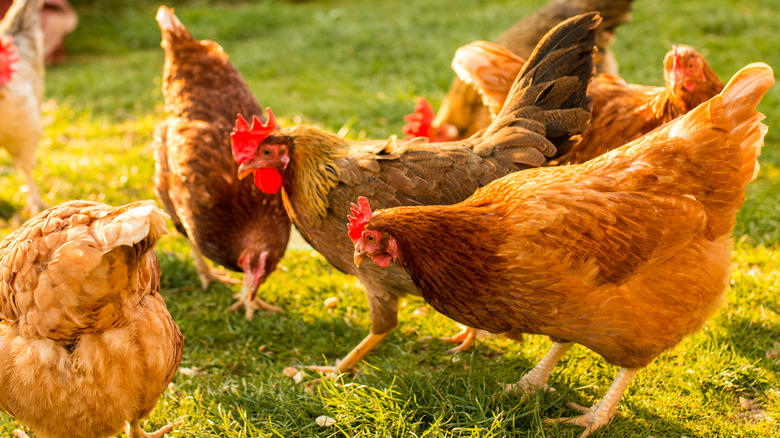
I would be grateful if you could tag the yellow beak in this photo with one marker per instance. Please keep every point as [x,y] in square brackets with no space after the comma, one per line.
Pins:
[359,257]
[245,170]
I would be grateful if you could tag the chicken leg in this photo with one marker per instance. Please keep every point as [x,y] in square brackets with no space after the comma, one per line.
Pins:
[600,413]
[536,379]
[250,306]
[350,360]
[206,273]
[133,430]
[464,339]
[34,202]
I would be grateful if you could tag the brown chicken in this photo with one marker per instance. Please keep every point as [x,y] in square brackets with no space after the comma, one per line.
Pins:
[226,220]
[621,112]
[625,254]
[462,113]
[21,90]
[320,172]
[86,342]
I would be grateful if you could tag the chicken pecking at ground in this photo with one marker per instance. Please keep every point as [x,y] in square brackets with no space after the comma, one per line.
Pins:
[86,342]
[621,112]
[625,254]
[462,113]
[227,220]
[320,172]
[21,90]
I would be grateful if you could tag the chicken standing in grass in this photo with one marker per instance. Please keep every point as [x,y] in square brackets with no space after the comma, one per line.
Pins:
[621,112]
[86,342]
[625,254]
[320,172]
[227,220]
[462,113]
[21,90]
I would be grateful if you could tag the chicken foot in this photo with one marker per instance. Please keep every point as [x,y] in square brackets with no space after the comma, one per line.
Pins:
[206,273]
[602,412]
[465,338]
[133,430]
[536,379]
[350,360]
[250,306]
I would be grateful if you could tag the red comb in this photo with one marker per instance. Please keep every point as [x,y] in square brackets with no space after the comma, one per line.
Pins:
[8,59]
[420,121]
[244,138]
[362,214]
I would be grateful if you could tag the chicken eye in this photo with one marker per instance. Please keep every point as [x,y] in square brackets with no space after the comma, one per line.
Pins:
[266,152]
[370,238]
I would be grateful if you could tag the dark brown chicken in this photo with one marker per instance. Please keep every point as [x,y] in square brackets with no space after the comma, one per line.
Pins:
[320,172]
[625,254]
[87,345]
[621,111]
[462,113]
[227,220]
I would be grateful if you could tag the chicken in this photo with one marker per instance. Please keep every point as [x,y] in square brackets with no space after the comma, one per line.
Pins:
[621,112]
[625,254]
[21,90]
[462,113]
[320,172]
[86,342]
[226,220]
[58,19]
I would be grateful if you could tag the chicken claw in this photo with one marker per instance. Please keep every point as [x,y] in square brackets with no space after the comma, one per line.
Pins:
[465,339]
[250,307]
[602,412]
[134,430]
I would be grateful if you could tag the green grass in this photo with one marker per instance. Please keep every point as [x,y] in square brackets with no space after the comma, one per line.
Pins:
[361,64]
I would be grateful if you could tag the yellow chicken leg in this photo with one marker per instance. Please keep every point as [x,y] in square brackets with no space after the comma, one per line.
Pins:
[351,359]
[600,413]
[465,339]
[133,430]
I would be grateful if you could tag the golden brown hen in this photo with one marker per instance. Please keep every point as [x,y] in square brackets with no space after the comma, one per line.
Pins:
[21,90]
[621,111]
[86,342]
[320,172]
[625,254]
[462,113]
[226,220]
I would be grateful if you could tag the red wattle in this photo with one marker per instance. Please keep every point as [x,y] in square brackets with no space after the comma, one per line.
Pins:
[269,180]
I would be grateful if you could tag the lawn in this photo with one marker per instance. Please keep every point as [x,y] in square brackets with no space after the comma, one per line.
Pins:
[359,66]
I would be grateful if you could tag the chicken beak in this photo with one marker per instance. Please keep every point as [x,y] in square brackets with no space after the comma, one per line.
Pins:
[245,169]
[360,257]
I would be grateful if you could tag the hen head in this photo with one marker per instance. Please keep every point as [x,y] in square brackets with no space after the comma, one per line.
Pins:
[255,270]
[420,124]
[686,71]
[8,59]
[265,159]
[381,247]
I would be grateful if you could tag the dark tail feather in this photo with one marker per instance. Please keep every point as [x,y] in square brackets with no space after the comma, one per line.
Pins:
[21,16]
[548,98]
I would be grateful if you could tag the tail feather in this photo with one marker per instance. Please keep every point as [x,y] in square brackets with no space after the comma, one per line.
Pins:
[726,136]
[129,225]
[551,88]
